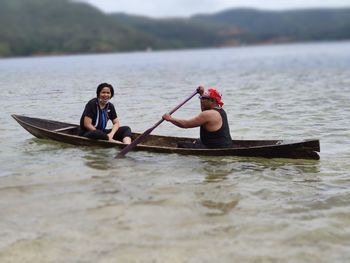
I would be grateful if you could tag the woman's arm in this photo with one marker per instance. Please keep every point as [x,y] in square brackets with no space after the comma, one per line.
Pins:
[115,127]
[88,124]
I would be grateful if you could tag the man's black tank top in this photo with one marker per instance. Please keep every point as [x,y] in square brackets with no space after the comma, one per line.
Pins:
[220,138]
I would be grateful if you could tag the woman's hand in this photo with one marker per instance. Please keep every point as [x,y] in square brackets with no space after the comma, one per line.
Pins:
[110,136]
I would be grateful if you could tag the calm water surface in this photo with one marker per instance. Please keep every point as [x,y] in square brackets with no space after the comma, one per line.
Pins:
[61,203]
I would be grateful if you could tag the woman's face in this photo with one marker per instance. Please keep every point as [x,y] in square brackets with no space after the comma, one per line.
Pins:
[105,94]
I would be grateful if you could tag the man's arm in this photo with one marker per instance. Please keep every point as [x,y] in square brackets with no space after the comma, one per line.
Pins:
[197,121]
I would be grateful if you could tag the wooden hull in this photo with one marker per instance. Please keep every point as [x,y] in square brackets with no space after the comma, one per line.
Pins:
[68,133]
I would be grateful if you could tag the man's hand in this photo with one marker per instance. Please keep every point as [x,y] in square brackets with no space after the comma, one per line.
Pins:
[200,90]
[166,117]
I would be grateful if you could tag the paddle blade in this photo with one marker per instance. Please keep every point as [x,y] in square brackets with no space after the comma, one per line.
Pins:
[132,145]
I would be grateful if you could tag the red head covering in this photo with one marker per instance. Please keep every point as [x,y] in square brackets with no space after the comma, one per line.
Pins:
[213,93]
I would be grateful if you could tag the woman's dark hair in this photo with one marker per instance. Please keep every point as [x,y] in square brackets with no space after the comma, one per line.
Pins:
[104,85]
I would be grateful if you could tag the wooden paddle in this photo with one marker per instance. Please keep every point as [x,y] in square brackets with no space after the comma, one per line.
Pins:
[143,136]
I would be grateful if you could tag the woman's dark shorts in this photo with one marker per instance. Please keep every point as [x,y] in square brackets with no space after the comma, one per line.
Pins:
[122,132]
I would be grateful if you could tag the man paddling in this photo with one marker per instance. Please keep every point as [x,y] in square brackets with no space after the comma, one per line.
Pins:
[214,128]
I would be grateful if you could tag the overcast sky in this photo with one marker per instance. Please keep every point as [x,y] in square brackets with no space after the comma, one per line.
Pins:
[165,8]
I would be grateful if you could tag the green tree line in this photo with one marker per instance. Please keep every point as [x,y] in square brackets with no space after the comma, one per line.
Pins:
[40,27]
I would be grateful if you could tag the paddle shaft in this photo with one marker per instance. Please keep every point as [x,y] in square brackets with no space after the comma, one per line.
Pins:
[143,136]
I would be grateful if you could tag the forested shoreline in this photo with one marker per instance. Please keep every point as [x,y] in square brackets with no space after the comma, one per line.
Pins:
[44,27]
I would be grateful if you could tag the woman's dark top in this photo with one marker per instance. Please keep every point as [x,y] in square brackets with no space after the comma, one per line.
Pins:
[99,116]
[220,138]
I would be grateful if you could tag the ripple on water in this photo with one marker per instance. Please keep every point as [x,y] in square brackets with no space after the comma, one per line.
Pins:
[170,208]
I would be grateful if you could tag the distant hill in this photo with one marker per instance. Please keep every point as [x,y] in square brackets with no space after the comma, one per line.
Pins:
[177,32]
[293,25]
[40,27]
[30,27]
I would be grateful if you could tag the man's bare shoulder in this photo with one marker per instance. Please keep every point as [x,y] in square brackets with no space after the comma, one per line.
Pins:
[209,113]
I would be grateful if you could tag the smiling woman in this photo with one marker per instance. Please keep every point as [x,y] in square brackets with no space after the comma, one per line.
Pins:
[97,112]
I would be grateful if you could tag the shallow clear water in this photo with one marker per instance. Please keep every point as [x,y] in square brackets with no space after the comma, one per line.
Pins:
[62,203]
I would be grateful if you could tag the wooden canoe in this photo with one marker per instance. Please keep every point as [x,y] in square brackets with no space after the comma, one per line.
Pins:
[68,133]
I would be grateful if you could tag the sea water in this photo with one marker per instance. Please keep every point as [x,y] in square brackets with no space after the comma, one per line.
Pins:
[63,203]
